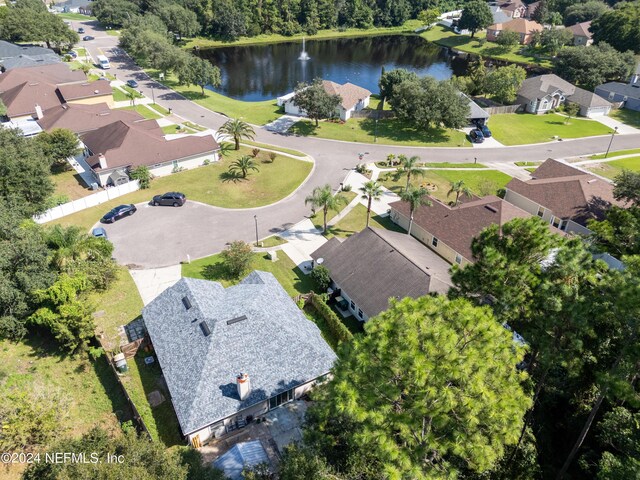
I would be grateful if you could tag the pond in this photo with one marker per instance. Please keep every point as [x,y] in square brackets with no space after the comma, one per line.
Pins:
[263,72]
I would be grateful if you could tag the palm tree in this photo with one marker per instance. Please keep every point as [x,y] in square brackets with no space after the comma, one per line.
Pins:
[131,96]
[408,167]
[70,244]
[371,190]
[238,129]
[243,165]
[415,197]
[323,197]
[459,188]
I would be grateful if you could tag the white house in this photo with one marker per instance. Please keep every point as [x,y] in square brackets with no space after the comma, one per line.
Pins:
[354,99]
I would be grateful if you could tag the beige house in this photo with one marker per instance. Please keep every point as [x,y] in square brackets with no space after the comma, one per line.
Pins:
[581,33]
[448,230]
[523,27]
[563,196]
[353,99]
[87,93]
[112,150]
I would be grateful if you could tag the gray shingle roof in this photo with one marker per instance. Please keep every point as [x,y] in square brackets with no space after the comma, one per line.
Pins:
[375,265]
[587,98]
[276,345]
[16,56]
[621,88]
[543,85]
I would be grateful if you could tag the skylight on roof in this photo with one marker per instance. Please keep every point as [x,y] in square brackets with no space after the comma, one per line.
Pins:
[186,302]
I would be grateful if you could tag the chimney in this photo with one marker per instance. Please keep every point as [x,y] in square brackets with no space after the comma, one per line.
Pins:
[103,161]
[244,385]
[39,113]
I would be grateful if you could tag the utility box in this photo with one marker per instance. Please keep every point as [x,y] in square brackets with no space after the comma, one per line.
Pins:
[273,255]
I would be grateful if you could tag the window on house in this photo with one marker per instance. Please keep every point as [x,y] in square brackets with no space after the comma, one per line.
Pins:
[360,314]
[540,211]
[434,241]
[353,305]
[555,221]
[281,398]
[611,95]
[458,259]
[563,225]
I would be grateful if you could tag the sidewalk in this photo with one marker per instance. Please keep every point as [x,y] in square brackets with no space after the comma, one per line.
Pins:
[302,240]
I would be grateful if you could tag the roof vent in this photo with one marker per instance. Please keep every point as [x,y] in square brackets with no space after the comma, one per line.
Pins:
[206,331]
[491,208]
[236,320]
[186,302]
[96,91]
[593,180]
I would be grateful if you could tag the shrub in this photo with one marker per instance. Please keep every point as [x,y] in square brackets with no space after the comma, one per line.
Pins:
[272,156]
[255,152]
[320,274]
[206,162]
[142,174]
[237,258]
[338,330]
[346,188]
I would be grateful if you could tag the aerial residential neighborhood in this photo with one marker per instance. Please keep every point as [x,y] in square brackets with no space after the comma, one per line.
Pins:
[347,240]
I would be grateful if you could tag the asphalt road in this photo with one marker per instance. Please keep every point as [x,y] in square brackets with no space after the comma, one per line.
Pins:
[159,237]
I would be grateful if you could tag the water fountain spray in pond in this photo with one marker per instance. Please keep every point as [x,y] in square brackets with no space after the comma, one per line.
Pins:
[303,55]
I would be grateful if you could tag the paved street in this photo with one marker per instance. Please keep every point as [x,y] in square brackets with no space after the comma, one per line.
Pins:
[156,237]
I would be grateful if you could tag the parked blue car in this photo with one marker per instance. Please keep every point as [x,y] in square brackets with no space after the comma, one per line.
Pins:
[99,232]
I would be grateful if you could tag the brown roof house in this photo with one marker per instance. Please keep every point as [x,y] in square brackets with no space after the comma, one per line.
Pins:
[87,93]
[562,195]
[402,267]
[354,99]
[523,27]
[581,33]
[111,150]
[546,92]
[449,231]
[81,118]
[513,8]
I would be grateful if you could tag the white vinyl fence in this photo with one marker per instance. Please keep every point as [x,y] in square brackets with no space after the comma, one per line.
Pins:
[87,202]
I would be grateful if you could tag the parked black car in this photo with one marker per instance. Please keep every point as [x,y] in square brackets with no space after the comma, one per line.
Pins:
[81,30]
[486,133]
[119,212]
[132,83]
[476,136]
[175,199]
[87,37]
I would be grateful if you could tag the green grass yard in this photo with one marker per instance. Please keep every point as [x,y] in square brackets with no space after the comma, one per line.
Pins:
[616,153]
[273,147]
[172,129]
[209,184]
[120,96]
[525,128]
[356,220]
[272,241]
[481,182]
[144,111]
[630,117]
[615,167]
[286,272]
[317,219]
[390,132]
[75,16]
[69,184]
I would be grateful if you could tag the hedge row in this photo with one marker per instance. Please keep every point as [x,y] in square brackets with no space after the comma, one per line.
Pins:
[338,329]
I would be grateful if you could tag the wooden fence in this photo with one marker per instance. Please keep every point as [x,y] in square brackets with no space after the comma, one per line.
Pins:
[503,109]
[373,114]
[87,202]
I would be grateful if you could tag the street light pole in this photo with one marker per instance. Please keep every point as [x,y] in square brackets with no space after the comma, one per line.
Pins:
[255,217]
[615,130]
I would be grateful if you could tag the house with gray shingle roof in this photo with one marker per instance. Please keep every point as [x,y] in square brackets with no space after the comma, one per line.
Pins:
[546,92]
[231,354]
[403,267]
[17,56]
[627,94]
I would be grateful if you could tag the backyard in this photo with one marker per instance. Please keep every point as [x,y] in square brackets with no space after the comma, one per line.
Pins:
[389,132]
[526,128]
[211,184]
[69,185]
[480,182]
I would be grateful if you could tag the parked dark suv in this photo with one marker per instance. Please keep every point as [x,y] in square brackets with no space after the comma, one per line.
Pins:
[174,199]
[119,212]
[476,136]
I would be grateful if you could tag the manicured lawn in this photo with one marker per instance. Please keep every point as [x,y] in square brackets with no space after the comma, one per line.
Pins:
[447,38]
[630,117]
[211,184]
[438,165]
[374,102]
[390,132]
[273,147]
[158,108]
[408,27]
[317,219]
[481,182]
[69,184]
[172,129]
[289,275]
[524,128]
[615,154]
[356,220]
[193,126]
[272,241]
[144,111]
[615,167]
[120,96]
[527,164]
[113,33]
[258,113]
[75,16]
